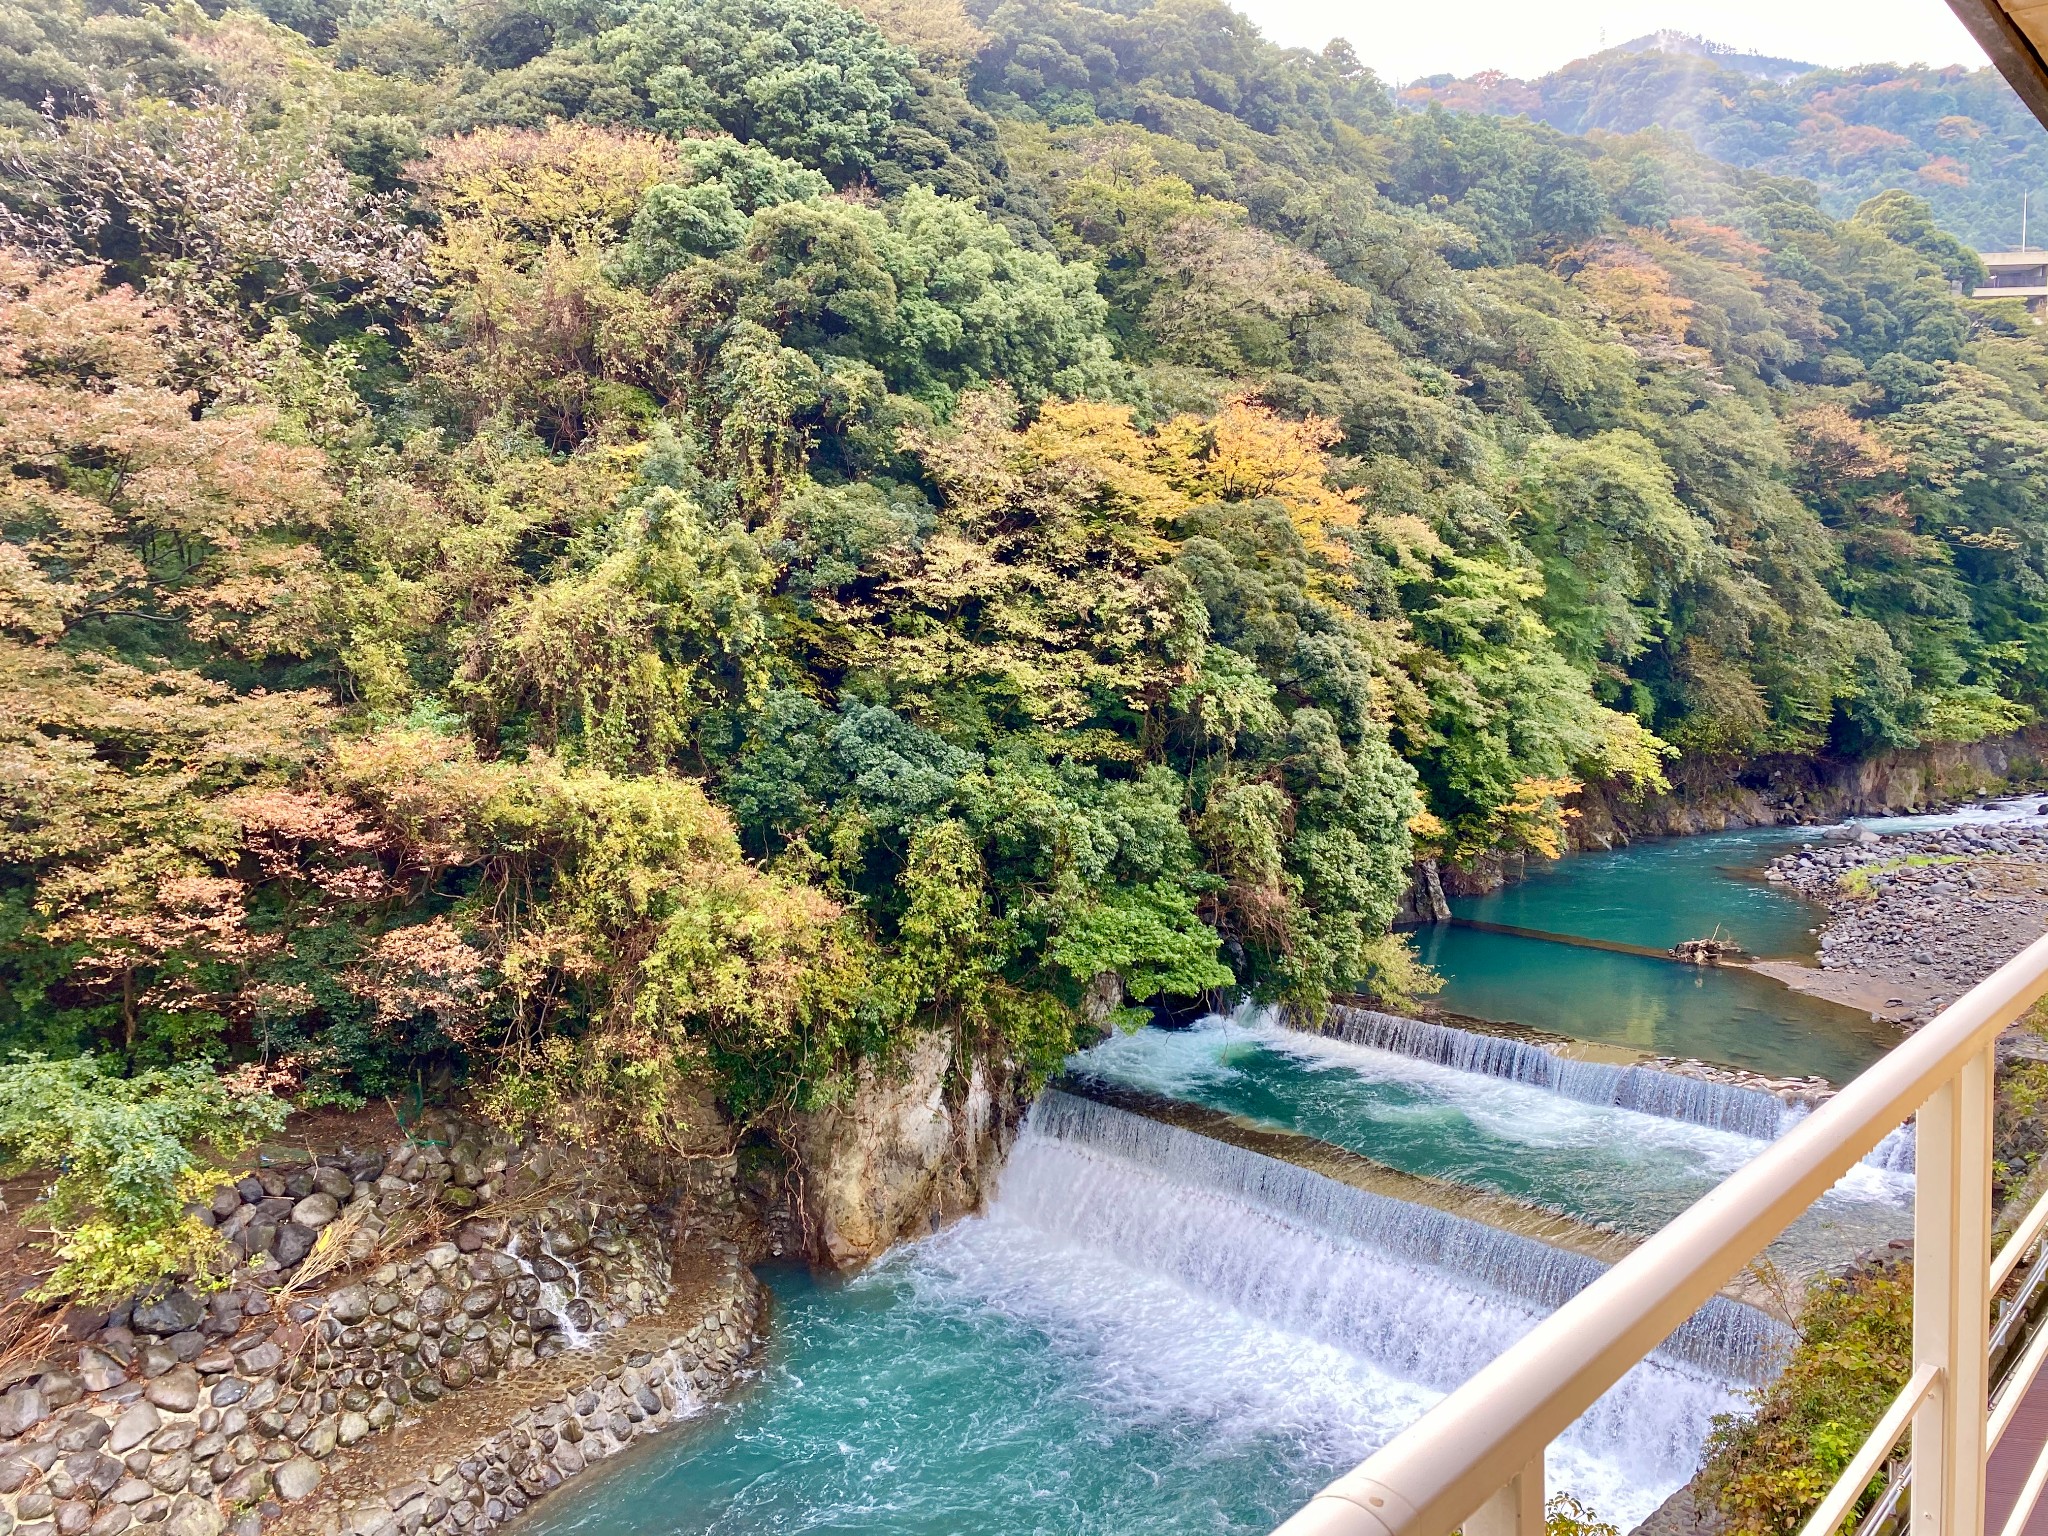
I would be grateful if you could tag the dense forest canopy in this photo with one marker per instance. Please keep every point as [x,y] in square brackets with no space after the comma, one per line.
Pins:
[1958,138]
[610,546]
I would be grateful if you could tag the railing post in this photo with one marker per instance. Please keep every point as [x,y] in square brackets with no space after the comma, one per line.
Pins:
[1516,1510]
[1951,1300]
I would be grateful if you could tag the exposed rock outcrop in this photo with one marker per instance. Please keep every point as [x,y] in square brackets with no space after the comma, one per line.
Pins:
[917,1142]
[1711,796]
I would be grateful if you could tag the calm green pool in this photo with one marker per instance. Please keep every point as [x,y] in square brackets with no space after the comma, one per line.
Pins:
[1660,892]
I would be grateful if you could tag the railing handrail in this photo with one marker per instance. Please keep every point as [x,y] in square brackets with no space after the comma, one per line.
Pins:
[1437,1472]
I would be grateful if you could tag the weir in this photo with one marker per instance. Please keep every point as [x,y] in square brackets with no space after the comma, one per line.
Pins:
[1726,1338]
[1648,1090]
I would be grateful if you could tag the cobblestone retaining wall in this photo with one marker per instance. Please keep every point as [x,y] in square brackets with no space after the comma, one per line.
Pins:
[186,1414]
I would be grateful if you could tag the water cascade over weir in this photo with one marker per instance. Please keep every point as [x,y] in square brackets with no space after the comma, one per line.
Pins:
[1725,1338]
[1747,1112]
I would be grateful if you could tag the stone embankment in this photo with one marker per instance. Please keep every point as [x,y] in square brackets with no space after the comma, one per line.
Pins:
[522,1300]
[442,1475]
[1916,919]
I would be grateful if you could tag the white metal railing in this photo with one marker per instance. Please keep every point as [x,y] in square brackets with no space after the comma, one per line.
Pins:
[1476,1459]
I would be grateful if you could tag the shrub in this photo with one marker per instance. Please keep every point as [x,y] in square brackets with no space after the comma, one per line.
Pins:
[127,1151]
[1766,1472]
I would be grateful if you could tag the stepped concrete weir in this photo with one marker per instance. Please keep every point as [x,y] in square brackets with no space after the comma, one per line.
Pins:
[1647,1089]
[1727,1339]
[1361,1172]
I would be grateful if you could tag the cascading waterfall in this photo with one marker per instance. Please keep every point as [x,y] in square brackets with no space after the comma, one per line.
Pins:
[1747,1112]
[1722,1106]
[558,1293]
[1724,1337]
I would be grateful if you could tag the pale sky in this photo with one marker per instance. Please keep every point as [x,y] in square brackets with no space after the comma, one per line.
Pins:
[1403,40]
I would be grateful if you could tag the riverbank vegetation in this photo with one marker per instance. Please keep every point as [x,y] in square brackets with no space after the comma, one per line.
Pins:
[1765,1471]
[601,549]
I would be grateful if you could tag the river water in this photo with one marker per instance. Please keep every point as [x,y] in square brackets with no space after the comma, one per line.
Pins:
[1153,1331]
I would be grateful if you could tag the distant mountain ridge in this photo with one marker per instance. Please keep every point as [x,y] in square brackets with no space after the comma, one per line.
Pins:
[1762,66]
[1958,137]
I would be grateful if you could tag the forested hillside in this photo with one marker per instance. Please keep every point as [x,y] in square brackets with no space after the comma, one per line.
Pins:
[1958,138]
[609,545]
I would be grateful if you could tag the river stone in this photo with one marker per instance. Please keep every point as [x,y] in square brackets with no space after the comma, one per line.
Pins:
[98,1372]
[296,1478]
[174,1312]
[350,1304]
[110,1521]
[316,1211]
[176,1390]
[191,1515]
[351,1427]
[20,1411]
[434,1302]
[134,1427]
[294,1242]
[170,1473]
[481,1300]
[80,1431]
[260,1359]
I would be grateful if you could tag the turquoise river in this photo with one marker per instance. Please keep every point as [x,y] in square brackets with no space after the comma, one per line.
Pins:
[1152,1331]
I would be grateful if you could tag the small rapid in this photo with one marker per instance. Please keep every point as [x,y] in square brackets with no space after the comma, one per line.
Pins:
[1750,1112]
[1592,1163]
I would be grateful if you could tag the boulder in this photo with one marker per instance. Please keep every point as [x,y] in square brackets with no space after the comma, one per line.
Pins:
[316,1210]
[133,1427]
[191,1515]
[294,1242]
[173,1312]
[332,1181]
[296,1479]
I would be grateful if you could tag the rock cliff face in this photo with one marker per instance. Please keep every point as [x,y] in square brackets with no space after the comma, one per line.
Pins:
[916,1143]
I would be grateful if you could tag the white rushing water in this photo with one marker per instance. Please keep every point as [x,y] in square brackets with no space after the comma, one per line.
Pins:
[1748,1112]
[1186,1298]
[1181,1063]
[1725,1337]
[556,1295]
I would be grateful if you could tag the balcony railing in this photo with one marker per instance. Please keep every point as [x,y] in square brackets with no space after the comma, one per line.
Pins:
[1476,1459]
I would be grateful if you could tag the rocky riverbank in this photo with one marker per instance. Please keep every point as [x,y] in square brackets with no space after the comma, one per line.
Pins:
[1714,795]
[1916,919]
